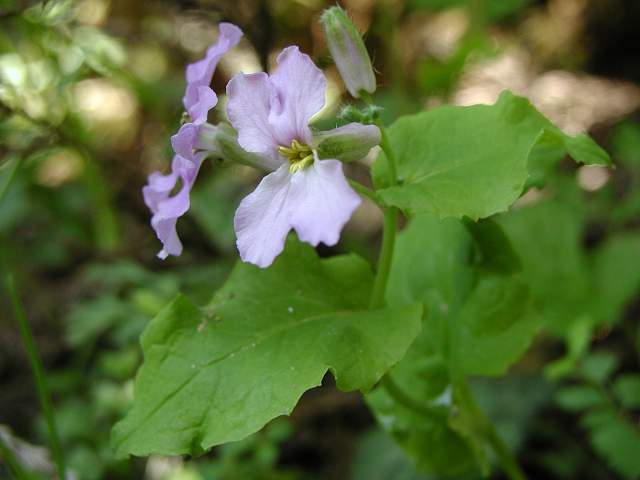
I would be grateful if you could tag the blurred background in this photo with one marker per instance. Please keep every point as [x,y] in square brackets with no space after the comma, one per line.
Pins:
[90,92]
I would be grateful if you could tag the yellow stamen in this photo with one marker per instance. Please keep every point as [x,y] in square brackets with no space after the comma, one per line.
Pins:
[301,164]
[299,155]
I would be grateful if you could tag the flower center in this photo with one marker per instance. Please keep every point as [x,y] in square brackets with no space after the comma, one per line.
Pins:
[299,155]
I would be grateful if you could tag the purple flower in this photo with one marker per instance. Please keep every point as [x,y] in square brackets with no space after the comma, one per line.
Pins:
[304,193]
[198,100]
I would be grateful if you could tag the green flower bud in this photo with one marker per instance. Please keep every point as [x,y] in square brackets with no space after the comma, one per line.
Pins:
[348,51]
[348,143]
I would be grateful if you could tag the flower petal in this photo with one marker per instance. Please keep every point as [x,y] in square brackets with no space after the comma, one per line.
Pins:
[199,73]
[204,99]
[158,188]
[324,202]
[185,140]
[262,220]
[317,202]
[167,209]
[250,99]
[300,87]
[166,232]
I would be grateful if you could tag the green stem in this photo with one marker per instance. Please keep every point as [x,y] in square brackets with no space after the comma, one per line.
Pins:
[364,191]
[107,235]
[396,392]
[385,145]
[389,227]
[11,461]
[38,375]
[506,459]
[386,256]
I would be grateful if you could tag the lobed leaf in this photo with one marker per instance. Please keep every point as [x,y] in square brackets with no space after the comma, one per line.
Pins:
[218,374]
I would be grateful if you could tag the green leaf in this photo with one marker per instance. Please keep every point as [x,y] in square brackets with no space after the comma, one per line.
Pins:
[579,397]
[514,404]
[378,457]
[617,279]
[91,318]
[578,339]
[547,237]
[425,435]
[218,374]
[627,390]
[617,440]
[474,161]
[598,366]
[469,280]
[479,321]
[626,143]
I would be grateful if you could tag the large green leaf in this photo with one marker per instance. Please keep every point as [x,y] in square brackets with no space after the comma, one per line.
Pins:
[569,283]
[218,374]
[548,239]
[480,314]
[617,279]
[479,321]
[475,161]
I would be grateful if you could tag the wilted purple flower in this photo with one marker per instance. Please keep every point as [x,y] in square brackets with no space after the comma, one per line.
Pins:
[198,100]
[312,196]
[167,209]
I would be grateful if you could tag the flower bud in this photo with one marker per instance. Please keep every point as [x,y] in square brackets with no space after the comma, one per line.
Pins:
[348,143]
[348,51]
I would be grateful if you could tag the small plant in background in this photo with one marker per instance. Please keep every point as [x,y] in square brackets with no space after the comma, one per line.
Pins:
[219,374]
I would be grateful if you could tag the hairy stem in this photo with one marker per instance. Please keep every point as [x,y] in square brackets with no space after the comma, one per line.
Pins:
[38,376]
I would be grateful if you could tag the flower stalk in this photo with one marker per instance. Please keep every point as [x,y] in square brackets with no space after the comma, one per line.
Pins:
[389,224]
